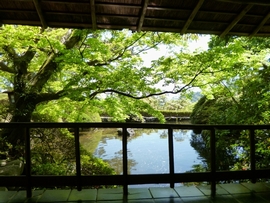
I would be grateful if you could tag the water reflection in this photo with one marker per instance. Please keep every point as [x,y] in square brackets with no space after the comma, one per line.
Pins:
[147,151]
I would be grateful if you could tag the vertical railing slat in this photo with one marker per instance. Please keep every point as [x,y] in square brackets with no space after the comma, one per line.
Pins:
[252,154]
[171,156]
[28,162]
[78,158]
[213,161]
[125,160]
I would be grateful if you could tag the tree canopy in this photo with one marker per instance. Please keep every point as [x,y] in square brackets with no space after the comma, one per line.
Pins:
[56,65]
[239,89]
[238,95]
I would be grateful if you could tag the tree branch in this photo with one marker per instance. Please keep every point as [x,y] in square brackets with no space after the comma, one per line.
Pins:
[49,66]
[234,100]
[45,97]
[187,86]
[24,60]
[120,53]
[11,52]
[5,68]
[70,42]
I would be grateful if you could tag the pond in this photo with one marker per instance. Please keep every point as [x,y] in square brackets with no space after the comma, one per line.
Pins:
[147,150]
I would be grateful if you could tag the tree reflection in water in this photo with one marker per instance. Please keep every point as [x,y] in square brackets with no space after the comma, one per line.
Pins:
[226,153]
[148,151]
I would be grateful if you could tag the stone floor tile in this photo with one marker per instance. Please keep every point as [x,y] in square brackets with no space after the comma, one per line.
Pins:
[163,192]
[184,191]
[257,187]
[145,195]
[139,193]
[140,201]
[110,194]
[267,184]
[168,200]
[5,196]
[265,196]
[85,195]
[206,190]
[110,201]
[201,199]
[125,201]
[36,194]
[20,196]
[54,196]
[249,198]
[223,199]
[235,188]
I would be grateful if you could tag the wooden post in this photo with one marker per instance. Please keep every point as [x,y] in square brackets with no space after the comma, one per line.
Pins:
[213,161]
[252,155]
[26,132]
[78,158]
[171,156]
[125,162]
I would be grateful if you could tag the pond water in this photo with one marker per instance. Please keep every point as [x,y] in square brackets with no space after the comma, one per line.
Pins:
[147,150]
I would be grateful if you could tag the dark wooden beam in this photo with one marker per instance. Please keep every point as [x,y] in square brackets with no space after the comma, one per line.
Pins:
[191,17]
[119,27]
[258,2]
[266,18]
[144,8]
[236,20]
[40,14]
[93,14]
[148,8]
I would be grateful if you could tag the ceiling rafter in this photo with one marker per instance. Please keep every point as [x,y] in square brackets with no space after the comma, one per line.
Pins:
[161,29]
[257,2]
[220,17]
[148,8]
[191,17]
[142,16]
[40,14]
[236,20]
[265,19]
[93,14]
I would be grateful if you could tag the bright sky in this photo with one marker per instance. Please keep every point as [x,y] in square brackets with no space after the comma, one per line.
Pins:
[201,44]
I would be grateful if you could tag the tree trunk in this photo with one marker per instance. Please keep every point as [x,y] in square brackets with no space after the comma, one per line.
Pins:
[23,110]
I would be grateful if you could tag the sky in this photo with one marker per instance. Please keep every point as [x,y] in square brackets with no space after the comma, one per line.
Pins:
[201,44]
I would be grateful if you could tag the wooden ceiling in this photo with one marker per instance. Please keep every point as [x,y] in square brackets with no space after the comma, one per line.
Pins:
[221,17]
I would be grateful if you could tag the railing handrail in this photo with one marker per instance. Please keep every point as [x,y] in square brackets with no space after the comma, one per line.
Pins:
[125,179]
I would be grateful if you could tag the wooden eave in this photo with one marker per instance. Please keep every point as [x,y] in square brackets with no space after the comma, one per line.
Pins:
[220,17]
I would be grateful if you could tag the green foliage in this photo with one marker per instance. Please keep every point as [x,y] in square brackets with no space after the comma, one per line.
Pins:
[49,169]
[94,166]
[67,110]
[73,74]
[4,108]
[238,96]
[51,158]
[60,160]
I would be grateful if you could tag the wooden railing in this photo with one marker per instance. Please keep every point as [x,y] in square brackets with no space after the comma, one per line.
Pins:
[30,181]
